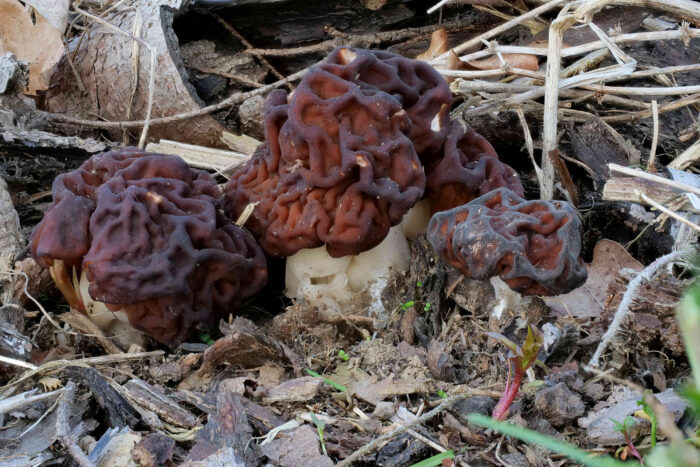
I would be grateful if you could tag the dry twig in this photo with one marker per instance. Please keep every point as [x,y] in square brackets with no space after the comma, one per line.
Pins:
[448,402]
[63,429]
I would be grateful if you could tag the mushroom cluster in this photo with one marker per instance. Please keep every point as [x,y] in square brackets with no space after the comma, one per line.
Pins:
[364,137]
[140,236]
[354,163]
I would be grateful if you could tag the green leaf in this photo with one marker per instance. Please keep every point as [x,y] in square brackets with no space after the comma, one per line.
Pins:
[330,382]
[688,317]
[692,395]
[553,444]
[320,424]
[531,347]
[435,460]
[504,340]
[343,356]
[652,415]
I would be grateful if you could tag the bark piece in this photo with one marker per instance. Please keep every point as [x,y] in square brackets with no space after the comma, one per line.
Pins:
[103,61]
[119,411]
[145,395]
[301,448]
[295,390]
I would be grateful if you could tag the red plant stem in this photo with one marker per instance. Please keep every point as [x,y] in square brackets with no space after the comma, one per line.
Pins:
[633,450]
[512,388]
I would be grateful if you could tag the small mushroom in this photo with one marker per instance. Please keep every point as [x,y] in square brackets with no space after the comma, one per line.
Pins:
[143,234]
[532,245]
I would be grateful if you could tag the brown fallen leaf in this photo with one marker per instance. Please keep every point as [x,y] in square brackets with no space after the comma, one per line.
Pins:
[40,44]
[438,45]
[373,391]
[295,390]
[588,301]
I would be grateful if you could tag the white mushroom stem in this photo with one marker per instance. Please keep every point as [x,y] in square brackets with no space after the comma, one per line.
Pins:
[112,323]
[354,283]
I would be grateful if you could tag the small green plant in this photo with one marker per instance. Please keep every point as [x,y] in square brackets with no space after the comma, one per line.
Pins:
[426,308]
[435,460]
[320,426]
[407,305]
[520,359]
[652,419]
[442,394]
[329,382]
[343,356]
[625,428]
[206,338]
[419,284]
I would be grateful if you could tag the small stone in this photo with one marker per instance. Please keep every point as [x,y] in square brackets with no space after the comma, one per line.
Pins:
[384,410]
[595,391]
[601,428]
[567,374]
[477,404]
[559,405]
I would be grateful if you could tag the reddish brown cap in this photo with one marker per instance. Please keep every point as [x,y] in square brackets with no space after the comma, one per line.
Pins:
[146,230]
[338,169]
[532,245]
[421,90]
[468,169]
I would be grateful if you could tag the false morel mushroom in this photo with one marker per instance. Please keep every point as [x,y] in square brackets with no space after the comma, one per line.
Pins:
[421,91]
[144,233]
[469,168]
[337,169]
[532,245]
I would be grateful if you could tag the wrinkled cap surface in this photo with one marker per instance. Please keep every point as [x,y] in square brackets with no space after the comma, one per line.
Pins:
[145,229]
[421,90]
[337,168]
[468,169]
[532,245]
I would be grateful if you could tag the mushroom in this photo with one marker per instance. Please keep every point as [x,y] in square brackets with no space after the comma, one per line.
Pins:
[422,91]
[141,233]
[340,168]
[532,245]
[469,168]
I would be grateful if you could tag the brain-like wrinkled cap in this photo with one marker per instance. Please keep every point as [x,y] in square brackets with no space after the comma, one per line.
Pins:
[337,168]
[468,169]
[532,245]
[145,229]
[422,91]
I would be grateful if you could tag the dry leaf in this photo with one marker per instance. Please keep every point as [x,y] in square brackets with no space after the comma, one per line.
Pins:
[50,383]
[40,44]
[54,11]
[438,45]
[588,300]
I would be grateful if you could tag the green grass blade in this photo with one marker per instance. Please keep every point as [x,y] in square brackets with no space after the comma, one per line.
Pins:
[435,460]
[553,444]
[339,387]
